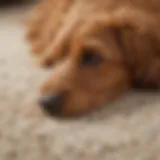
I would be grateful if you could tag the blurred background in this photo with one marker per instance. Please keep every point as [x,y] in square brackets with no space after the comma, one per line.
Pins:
[128,129]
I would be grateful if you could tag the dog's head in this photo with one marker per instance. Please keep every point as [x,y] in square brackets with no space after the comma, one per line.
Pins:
[89,67]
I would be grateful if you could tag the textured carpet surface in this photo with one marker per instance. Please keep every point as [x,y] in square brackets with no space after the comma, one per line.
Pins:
[128,129]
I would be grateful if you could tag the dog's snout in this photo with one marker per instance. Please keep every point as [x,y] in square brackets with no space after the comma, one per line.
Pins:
[51,103]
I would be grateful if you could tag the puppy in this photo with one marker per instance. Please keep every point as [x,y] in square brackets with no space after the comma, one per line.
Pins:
[98,49]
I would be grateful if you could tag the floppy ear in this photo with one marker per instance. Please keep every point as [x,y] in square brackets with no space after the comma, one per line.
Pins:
[137,34]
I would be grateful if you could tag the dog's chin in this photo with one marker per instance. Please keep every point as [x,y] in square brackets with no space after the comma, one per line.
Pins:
[71,115]
[64,116]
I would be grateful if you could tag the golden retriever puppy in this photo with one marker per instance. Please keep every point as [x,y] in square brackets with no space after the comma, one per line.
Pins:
[98,49]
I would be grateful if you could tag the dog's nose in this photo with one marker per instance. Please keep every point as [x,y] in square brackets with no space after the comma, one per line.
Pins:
[51,103]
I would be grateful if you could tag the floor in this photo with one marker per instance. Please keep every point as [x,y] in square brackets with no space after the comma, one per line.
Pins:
[128,129]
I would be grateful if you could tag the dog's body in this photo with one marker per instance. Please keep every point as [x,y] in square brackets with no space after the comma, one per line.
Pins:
[100,49]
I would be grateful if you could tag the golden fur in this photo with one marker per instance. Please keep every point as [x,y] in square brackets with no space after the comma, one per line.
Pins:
[125,33]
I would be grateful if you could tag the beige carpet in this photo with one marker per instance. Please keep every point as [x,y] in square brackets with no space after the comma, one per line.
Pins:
[128,129]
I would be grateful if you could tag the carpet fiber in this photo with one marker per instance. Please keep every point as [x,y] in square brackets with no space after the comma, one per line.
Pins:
[128,129]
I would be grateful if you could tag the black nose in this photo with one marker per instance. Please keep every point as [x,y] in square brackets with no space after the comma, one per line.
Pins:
[51,103]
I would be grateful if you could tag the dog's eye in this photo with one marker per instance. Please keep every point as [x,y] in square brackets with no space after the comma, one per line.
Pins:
[90,58]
